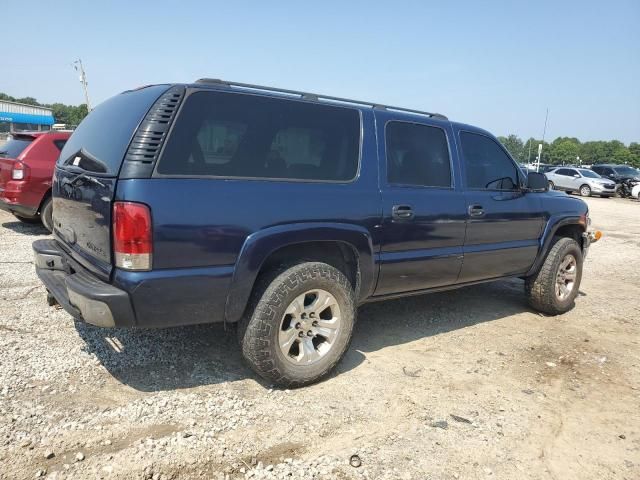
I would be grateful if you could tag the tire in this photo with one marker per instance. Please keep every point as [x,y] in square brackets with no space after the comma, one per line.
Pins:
[30,220]
[585,191]
[551,185]
[263,330]
[542,290]
[46,214]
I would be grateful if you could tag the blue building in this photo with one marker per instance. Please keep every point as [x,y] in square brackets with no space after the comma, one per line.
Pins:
[16,117]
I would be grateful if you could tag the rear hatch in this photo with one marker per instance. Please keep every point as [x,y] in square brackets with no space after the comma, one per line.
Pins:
[9,152]
[86,173]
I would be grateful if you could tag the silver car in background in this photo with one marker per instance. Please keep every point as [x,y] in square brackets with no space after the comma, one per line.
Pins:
[582,180]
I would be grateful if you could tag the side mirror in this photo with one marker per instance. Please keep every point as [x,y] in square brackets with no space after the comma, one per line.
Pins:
[537,182]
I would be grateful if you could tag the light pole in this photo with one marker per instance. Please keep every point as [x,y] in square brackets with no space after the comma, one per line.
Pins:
[83,80]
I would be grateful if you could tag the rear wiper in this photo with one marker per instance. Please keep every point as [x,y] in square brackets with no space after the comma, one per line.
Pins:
[85,176]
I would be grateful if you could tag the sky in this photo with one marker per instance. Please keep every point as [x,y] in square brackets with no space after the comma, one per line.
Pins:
[495,64]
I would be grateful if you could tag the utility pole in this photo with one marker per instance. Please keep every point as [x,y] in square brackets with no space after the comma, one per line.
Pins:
[544,132]
[83,80]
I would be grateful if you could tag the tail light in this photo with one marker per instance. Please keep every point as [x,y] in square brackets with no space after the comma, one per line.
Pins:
[132,236]
[19,171]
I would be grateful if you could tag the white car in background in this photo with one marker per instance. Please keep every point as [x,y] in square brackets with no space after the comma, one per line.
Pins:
[635,192]
[583,180]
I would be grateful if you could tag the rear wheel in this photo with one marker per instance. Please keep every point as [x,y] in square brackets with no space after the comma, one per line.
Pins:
[551,185]
[46,214]
[585,191]
[299,324]
[554,288]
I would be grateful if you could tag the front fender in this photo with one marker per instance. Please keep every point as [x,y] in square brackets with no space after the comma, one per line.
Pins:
[260,245]
[554,223]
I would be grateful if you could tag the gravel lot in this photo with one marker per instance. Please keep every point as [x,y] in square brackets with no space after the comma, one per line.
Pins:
[457,385]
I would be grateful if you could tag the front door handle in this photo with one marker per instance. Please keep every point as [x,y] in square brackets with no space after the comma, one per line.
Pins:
[476,211]
[402,212]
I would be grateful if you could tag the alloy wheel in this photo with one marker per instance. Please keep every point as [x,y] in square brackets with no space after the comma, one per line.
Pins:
[309,327]
[566,277]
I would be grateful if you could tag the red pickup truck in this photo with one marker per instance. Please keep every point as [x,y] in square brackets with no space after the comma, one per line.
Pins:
[27,162]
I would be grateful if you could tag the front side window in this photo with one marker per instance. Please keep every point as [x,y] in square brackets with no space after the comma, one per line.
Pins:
[417,155]
[487,166]
[250,136]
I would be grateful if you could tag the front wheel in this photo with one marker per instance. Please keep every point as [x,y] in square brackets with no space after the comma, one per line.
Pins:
[554,288]
[299,324]
[585,191]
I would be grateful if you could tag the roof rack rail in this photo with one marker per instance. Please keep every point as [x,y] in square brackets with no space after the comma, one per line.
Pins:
[314,96]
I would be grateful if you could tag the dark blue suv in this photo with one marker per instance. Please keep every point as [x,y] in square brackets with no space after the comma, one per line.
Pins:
[282,211]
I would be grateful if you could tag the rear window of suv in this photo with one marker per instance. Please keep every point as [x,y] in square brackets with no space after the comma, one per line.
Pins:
[14,147]
[102,138]
[236,135]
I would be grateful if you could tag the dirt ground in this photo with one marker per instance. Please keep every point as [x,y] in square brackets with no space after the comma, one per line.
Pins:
[458,385]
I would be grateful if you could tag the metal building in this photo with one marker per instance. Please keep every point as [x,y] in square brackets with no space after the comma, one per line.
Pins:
[16,117]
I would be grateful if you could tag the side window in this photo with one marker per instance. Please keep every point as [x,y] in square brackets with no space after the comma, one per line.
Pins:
[487,166]
[251,136]
[563,171]
[417,155]
[572,173]
[59,144]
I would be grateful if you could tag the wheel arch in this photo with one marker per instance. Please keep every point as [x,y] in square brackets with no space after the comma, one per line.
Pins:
[559,226]
[347,247]
[47,195]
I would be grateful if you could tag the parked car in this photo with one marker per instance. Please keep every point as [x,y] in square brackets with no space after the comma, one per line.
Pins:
[27,161]
[580,180]
[635,191]
[617,173]
[282,211]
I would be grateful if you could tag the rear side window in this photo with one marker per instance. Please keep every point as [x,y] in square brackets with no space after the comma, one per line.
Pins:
[102,138]
[14,147]
[417,155]
[487,166]
[249,136]
[59,144]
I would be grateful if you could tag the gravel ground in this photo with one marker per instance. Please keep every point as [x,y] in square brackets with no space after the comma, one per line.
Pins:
[456,385]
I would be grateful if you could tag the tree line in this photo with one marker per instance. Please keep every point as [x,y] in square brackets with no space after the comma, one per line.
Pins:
[67,114]
[570,150]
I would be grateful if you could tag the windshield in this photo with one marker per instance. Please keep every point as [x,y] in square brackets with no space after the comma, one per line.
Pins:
[14,147]
[626,171]
[589,173]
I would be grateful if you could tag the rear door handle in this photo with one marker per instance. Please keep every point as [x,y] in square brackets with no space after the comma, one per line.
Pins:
[476,211]
[402,212]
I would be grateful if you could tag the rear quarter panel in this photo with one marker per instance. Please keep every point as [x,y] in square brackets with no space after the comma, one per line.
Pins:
[40,157]
[202,224]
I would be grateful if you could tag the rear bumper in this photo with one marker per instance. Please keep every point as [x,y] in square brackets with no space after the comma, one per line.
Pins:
[81,294]
[156,299]
[17,209]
